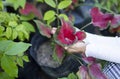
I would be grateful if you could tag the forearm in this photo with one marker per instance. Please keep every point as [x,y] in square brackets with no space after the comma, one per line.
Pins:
[106,48]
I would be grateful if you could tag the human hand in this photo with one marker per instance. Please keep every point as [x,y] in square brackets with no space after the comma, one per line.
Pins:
[78,47]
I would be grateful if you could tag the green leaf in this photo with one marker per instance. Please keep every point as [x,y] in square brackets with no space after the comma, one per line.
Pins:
[40,0]
[1,29]
[1,5]
[25,58]
[12,23]
[26,34]
[20,36]
[72,76]
[20,61]
[29,27]
[49,14]
[9,66]
[27,17]
[4,45]
[50,20]
[14,34]
[17,3]
[64,4]
[16,48]
[21,3]
[4,75]
[63,78]
[64,16]
[50,3]
[8,32]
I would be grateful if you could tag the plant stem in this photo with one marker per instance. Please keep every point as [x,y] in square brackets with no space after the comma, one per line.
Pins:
[57,11]
[86,26]
[77,58]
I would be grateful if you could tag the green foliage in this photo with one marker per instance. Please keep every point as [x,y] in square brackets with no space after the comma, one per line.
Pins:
[64,4]
[49,14]
[64,16]
[10,57]
[9,66]
[3,75]
[70,76]
[17,3]
[51,3]
[109,5]
[15,28]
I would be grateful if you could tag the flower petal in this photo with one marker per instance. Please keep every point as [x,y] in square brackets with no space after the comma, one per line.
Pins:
[30,8]
[99,19]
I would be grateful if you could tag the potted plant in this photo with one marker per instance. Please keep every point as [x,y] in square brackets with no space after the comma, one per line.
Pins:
[48,47]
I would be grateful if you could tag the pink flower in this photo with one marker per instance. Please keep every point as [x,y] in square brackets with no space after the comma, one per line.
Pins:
[67,34]
[99,19]
[30,8]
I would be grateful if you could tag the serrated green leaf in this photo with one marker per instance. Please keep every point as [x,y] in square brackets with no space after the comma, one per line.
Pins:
[16,48]
[1,29]
[14,34]
[4,75]
[25,58]
[64,16]
[29,27]
[8,32]
[20,36]
[4,45]
[27,17]
[64,4]
[50,3]
[1,5]
[26,35]
[9,66]
[49,14]
[21,3]
[20,61]
[12,23]
[17,3]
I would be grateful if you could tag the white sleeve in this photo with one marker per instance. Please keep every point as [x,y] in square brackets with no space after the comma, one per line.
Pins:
[101,47]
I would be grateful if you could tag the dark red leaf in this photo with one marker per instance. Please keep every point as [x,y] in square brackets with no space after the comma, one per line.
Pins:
[115,22]
[66,33]
[30,8]
[80,35]
[59,51]
[44,29]
[99,19]
[96,72]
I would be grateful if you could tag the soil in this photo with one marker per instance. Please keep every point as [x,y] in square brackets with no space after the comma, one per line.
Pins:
[44,56]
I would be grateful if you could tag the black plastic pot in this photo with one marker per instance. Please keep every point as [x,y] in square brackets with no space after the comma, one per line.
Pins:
[69,65]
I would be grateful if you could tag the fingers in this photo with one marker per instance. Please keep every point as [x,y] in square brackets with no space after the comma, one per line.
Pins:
[53,30]
[77,47]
